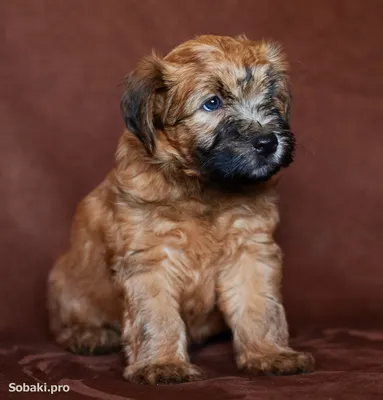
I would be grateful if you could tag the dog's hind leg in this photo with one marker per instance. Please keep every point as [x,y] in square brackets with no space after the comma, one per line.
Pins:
[84,304]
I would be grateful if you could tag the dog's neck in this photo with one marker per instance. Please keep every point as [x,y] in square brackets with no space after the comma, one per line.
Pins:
[141,177]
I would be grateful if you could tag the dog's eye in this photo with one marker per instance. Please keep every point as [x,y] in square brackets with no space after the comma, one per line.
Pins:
[214,103]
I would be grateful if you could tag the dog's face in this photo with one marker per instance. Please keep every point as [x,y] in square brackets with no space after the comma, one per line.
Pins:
[216,107]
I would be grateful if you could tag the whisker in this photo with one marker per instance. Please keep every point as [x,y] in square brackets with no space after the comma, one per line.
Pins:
[305,149]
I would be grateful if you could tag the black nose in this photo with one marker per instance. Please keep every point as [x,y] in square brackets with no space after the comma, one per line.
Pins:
[265,144]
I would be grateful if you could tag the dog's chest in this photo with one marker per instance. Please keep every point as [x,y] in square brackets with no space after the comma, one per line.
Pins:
[197,246]
[190,244]
[194,265]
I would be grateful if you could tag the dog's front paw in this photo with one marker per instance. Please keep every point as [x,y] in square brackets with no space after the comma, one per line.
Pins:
[163,373]
[282,363]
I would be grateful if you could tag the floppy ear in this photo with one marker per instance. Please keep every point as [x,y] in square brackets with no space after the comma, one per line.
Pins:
[139,97]
[283,96]
[276,56]
[286,99]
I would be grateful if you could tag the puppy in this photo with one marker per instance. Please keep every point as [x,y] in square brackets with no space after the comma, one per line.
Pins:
[176,244]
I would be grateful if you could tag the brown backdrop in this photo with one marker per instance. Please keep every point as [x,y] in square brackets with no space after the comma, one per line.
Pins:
[61,63]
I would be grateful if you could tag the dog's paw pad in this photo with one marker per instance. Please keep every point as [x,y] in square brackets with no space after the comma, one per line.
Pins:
[284,363]
[87,341]
[161,373]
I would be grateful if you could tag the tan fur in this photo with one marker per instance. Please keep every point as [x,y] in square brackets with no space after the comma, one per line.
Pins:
[157,257]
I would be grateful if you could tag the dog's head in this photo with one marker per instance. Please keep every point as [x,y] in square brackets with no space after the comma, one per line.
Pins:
[215,107]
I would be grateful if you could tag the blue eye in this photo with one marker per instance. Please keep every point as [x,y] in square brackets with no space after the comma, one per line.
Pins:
[214,103]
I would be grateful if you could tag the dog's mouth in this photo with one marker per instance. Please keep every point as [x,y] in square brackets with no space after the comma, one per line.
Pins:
[238,163]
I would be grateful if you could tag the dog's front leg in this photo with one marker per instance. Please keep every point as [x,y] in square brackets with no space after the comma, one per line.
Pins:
[250,299]
[154,335]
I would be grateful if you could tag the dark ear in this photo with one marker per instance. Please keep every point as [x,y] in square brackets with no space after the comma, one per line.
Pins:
[287,99]
[138,100]
[277,58]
